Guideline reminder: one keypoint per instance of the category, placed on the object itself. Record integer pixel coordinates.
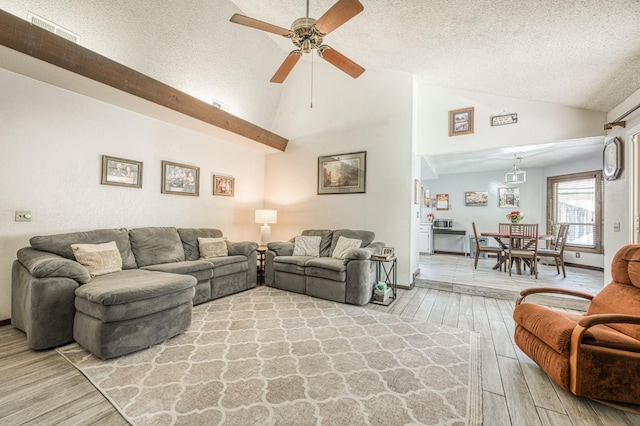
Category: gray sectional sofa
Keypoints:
(55, 300)
(348, 280)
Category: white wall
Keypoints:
(617, 204)
(373, 114)
(52, 140)
(538, 122)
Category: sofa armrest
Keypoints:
(376, 247)
(281, 248)
(241, 248)
(359, 254)
(42, 264)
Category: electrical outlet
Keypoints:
(23, 215)
(578, 255)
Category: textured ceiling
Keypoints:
(580, 53)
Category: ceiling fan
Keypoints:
(307, 34)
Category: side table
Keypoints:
(261, 252)
(387, 272)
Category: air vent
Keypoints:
(52, 27)
(220, 105)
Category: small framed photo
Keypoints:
(223, 185)
(476, 199)
(121, 172)
(461, 121)
(342, 173)
(180, 179)
(509, 197)
(387, 252)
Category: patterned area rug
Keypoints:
(267, 356)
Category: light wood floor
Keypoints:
(40, 387)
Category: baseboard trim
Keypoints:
(5, 322)
(578, 265)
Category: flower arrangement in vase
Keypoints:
(515, 216)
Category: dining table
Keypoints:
(503, 240)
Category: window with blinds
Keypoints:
(576, 200)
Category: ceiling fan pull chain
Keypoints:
(311, 104)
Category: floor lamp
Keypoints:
(266, 217)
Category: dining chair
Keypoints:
(523, 246)
(557, 253)
(485, 249)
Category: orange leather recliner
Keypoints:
(596, 355)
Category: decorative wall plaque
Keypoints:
(501, 120)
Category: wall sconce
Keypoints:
(266, 217)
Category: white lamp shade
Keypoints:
(266, 216)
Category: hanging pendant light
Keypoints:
(515, 175)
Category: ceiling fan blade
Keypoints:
(286, 66)
(338, 14)
(340, 61)
(259, 25)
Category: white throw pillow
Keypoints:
(307, 245)
(343, 245)
(99, 259)
(212, 247)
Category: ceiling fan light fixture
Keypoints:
(515, 175)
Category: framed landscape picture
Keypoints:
(509, 197)
(180, 179)
(121, 172)
(476, 199)
(461, 121)
(223, 185)
(342, 173)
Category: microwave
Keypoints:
(443, 223)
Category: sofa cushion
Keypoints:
(366, 237)
(344, 246)
(189, 238)
(228, 265)
(291, 264)
(133, 285)
(154, 245)
(99, 259)
(169, 290)
(327, 267)
(212, 247)
(307, 245)
(60, 244)
(325, 242)
(201, 269)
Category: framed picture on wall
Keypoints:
(508, 197)
(476, 199)
(461, 121)
(121, 172)
(180, 179)
(224, 185)
(342, 173)
(442, 201)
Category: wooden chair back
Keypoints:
(524, 237)
(561, 239)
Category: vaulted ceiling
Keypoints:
(583, 54)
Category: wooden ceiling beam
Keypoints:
(19, 35)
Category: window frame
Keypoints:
(598, 220)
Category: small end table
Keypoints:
(387, 272)
(261, 252)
